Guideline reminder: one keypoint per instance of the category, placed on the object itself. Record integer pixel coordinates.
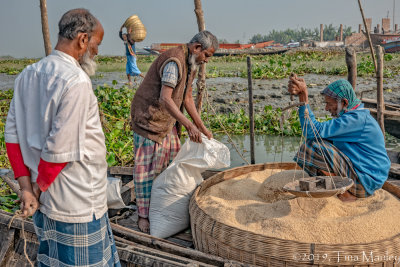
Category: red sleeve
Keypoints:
(16, 160)
(48, 172)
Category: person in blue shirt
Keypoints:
(350, 145)
(130, 52)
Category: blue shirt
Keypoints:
(357, 134)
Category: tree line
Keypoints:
(290, 35)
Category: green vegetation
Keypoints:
(289, 35)
(264, 67)
(114, 108)
(5, 98)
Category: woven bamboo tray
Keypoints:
(139, 32)
(211, 236)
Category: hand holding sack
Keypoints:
(173, 188)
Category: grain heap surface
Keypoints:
(254, 202)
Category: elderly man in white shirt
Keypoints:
(56, 148)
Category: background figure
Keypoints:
(130, 52)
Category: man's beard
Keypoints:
(88, 64)
(192, 62)
(339, 109)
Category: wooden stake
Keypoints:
(251, 110)
(201, 78)
(341, 33)
(45, 27)
(368, 35)
(321, 33)
(351, 62)
(379, 96)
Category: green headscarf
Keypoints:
(342, 89)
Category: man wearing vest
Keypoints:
(157, 106)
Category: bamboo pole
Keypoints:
(201, 78)
(251, 110)
(351, 62)
(380, 107)
(368, 35)
(45, 27)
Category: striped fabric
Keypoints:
(170, 74)
(336, 160)
(75, 244)
(151, 158)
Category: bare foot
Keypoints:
(347, 197)
(144, 225)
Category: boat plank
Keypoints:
(6, 244)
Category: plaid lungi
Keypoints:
(151, 158)
(75, 244)
(336, 162)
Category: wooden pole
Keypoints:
(379, 96)
(201, 78)
(368, 35)
(341, 33)
(251, 110)
(321, 32)
(351, 62)
(45, 27)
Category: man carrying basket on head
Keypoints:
(130, 52)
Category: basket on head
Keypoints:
(139, 32)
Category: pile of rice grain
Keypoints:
(253, 203)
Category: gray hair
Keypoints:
(206, 39)
(76, 21)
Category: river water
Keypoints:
(274, 148)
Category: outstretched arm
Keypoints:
(192, 111)
(167, 102)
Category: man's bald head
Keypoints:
(76, 21)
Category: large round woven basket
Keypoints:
(139, 32)
(211, 236)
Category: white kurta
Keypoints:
(54, 116)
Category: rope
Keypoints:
(317, 138)
(223, 128)
(316, 134)
(18, 214)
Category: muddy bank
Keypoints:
(230, 94)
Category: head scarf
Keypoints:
(342, 89)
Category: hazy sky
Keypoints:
(175, 21)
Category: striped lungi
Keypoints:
(311, 155)
(75, 244)
(151, 158)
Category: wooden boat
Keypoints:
(253, 52)
(222, 48)
(391, 115)
(134, 247)
(389, 41)
(391, 46)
